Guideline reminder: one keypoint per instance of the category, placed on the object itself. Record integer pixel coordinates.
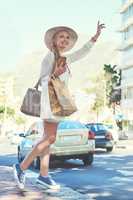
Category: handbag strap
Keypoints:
(38, 83)
(56, 56)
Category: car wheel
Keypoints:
(20, 158)
(109, 149)
(88, 159)
(36, 163)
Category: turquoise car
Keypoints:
(72, 141)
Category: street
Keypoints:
(109, 178)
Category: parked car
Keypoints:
(114, 130)
(72, 141)
(103, 136)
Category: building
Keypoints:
(126, 64)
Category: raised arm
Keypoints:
(83, 51)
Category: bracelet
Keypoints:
(93, 39)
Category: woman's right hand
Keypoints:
(60, 67)
(59, 70)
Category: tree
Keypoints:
(20, 120)
(10, 112)
(99, 90)
(113, 79)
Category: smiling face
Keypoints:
(61, 40)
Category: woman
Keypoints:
(58, 40)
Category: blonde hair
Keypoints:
(58, 58)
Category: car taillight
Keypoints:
(91, 135)
(108, 136)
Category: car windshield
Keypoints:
(96, 127)
(71, 125)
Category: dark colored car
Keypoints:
(103, 136)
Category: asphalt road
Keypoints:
(109, 178)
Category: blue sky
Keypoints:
(23, 23)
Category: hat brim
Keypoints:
(48, 38)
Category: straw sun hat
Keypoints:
(50, 33)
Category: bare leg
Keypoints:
(44, 164)
(50, 130)
(44, 159)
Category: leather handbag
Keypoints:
(31, 102)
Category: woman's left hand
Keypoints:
(98, 32)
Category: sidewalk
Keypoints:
(127, 143)
(124, 146)
(8, 189)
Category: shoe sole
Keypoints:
(21, 187)
(42, 184)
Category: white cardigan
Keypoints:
(46, 69)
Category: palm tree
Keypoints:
(112, 78)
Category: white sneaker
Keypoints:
(19, 176)
(48, 182)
